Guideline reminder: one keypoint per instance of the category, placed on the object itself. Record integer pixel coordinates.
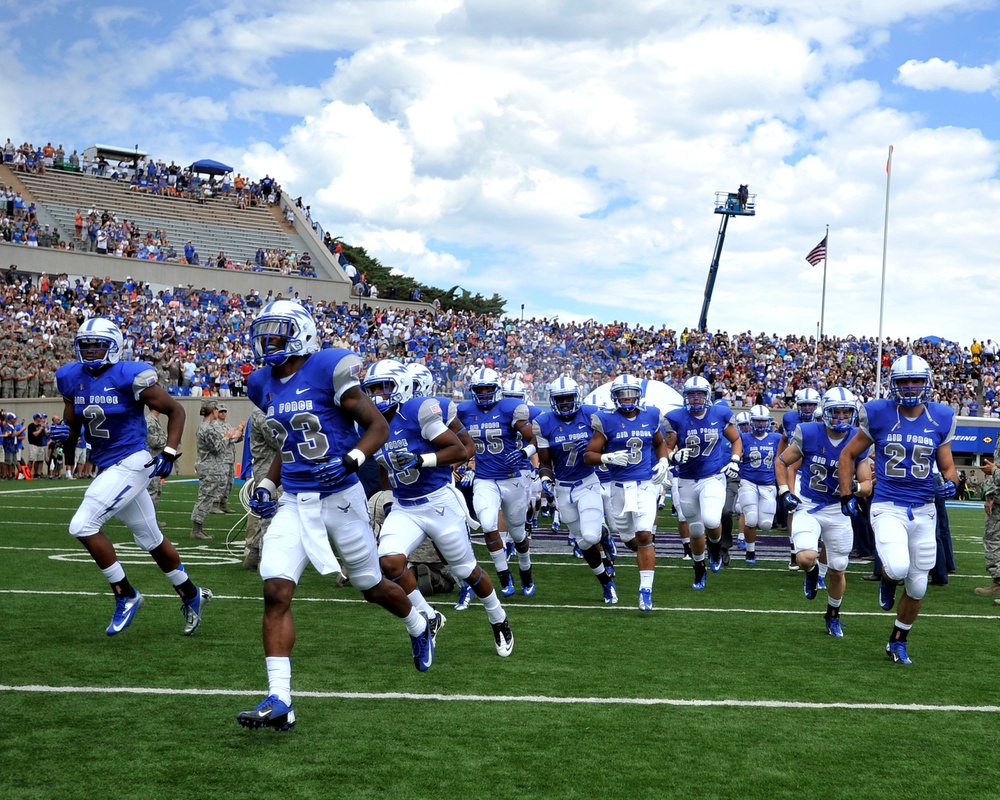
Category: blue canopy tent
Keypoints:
(936, 340)
(208, 167)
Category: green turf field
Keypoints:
(732, 692)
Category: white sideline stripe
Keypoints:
(546, 606)
(70, 486)
(508, 698)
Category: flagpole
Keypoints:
(822, 304)
(881, 300)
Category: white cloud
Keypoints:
(937, 74)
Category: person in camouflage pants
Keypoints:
(156, 440)
(263, 448)
(991, 532)
(233, 435)
(211, 466)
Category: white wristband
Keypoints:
(170, 451)
(665, 461)
(358, 456)
(735, 458)
(529, 450)
(267, 484)
(428, 460)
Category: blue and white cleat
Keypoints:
(834, 628)
(125, 610)
(506, 584)
(192, 610)
(503, 637)
(610, 593)
(714, 565)
(269, 713)
(809, 586)
(527, 582)
(887, 597)
(423, 647)
(577, 552)
(821, 584)
(741, 544)
(609, 546)
(464, 597)
(751, 558)
(699, 584)
(508, 549)
(645, 599)
(897, 652)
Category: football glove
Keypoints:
(681, 455)
(731, 470)
(790, 501)
(661, 470)
(467, 478)
(849, 506)
(331, 472)
(163, 463)
(945, 491)
(616, 459)
(515, 458)
(261, 504)
(402, 460)
(548, 488)
(59, 432)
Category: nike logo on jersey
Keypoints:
(301, 391)
(713, 424)
(928, 430)
(645, 425)
(108, 389)
(397, 433)
(345, 509)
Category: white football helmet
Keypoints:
(915, 369)
(485, 387)
(695, 391)
(807, 402)
(423, 380)
(388, 383)
(840, 409)
(626, 393)
(281, 330)
(564, 395)
(515, 389)
(760, 419)
(743, 422)
(98, 343)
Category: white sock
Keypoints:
(279, 677)
(822, 569)
(645, 579)
(420, 603)
(494, 611)
(524, 560)
(114, 573)
(415, 622)
(499, 559)
(751, 547)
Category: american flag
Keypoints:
(818, 253)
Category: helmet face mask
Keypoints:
(760, 420)
(910, 381)
(626, 394)
(283, 329)
(485, 388)
(743, 423)
(98, 343)
(423, 380)
(564, 397)
(807, 403)
(840, 410)
(515, 390)
(388, 384)
(695, 392)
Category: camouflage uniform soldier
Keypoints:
(211, 466)
(7, 373)
(263, 448)
(22, 376)
(232, 436)
(156, 440)
(48, 379)
(991, 533)
(34, 384)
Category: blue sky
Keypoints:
(566, 154)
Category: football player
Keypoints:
(817, 446)
(909, 432)
(501, 431)
(108, 397)
(416, 462)
(703, 466)
(313, 401)
(757, 493)
(627, 440)
(806, 403)
(516, 390)
(562, 436)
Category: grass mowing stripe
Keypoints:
(540, 606)
(542, 699)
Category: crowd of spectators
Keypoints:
(196, 339)
(106, 232)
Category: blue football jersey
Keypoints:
(818, 480)
(108, 406)
(758, 457)
(704, 437)
(416, 423)
(790, 420)
(905, 450)
(634, 436)
(566, 440)
(303, 414)
(492, 431)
